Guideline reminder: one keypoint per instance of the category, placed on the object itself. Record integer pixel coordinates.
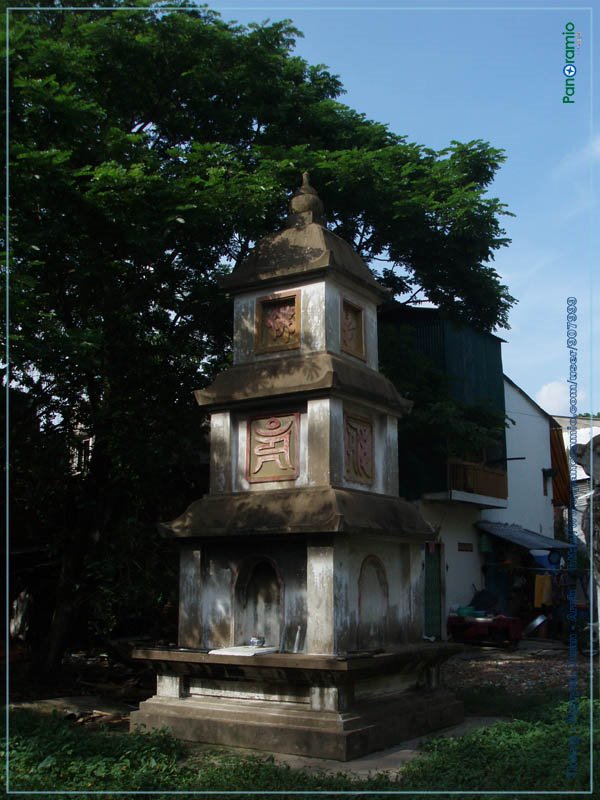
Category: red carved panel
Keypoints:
(272, 448)
(278, 322)
(358, 449)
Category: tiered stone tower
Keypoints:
(303, 540)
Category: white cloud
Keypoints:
(521, 263)
(580, 158)
(573, 173)
(553, 397)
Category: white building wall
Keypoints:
(527, 505)
(529, 437)
(585, 432)
(461, 569)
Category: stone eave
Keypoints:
(302, 510)
(301, 376)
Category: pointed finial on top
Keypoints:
(306, 205)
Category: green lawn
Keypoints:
(530, 752)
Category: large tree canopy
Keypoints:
(148, 151)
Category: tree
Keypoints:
(148, 151)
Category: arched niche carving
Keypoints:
(258, 602)
(373, 604)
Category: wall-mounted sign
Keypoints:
(466, 547)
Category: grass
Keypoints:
(499, 702)
(518, 755)
(528, 753)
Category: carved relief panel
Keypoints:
(277, 322)
(358, 450)
(352, 329)
(272, 448)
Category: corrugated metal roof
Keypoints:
(518, 535)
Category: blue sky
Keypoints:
(478, 71)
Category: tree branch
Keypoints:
(362, 236)
(412, 297)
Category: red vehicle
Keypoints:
(498, 629)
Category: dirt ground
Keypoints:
(536, 665)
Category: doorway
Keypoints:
(433, 589)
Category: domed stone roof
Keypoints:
(305, 248)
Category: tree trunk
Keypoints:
(85, 518)
(63, 618)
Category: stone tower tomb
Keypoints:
(300, 615)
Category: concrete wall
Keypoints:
(529, 437)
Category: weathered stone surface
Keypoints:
(300, 376)
(318, 510)
(304, 251)
(232, 589)
(295, 728)
(304, 669)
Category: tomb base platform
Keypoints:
(322, 706)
